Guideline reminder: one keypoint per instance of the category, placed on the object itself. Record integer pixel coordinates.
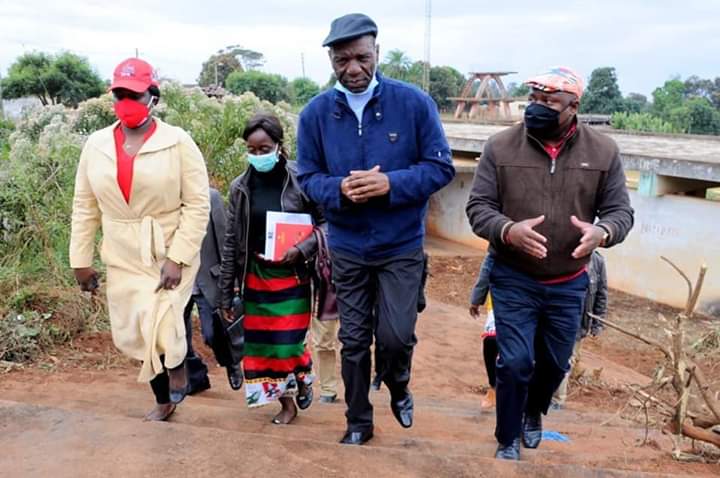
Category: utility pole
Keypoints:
(426, 62)
(2, 109)
(302, 62)
(137, 54)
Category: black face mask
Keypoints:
(541, 120)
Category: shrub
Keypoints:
(644, 122)
(37, 178)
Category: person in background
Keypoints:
(596, 302)
(146, 184)
(206, 296)
(276, 295)
(325, 323)
(479, 296)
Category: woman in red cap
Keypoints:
(145, 183)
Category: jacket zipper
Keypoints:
(282, 193)
(359, 128)
(282, 207)
(553, 161)
(247, 241)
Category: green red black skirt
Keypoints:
(277, 317)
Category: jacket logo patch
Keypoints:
(393, 137)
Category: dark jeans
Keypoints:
(536, 328)
(392, 285)
(490, 353)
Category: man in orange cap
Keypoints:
(546, 194)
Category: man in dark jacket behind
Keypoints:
(596, 302)
(206, 296)
(538, 190)
(371, 151)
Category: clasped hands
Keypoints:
(361, 186)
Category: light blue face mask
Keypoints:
(264, 163)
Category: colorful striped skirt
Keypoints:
(277, 317)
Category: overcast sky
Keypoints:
(647, 41)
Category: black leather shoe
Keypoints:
(235, 376)
(194, 388)
(304, 397)
(328, 398)
(376, 383)
(532, 430)
(356, 438)
(509, 452)
(403, 409)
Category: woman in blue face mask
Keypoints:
(275, 295)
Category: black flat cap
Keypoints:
(349, 27)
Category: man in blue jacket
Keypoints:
(371, 151)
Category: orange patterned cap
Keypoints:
(559, 78)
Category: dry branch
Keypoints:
(637, 336)
(699, 434)
(701, 381)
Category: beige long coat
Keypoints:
(166, 218)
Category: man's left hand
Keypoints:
(592, 237)
(364, 185)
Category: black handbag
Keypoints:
(234, 332)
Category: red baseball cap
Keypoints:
(135, 75)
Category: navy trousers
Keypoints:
(536, 328)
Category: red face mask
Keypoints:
(131, 113)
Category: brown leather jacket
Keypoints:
(234, 252)
(517, 180)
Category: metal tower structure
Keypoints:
(426, 60)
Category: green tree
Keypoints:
(66, 79)
(696, 116)
(228, 60)
(636, 103)
(518, 90)
(396, 65)
(445, 82)
(223, 62)
(703, 88)
(266, 86)
(602, 95)
(667, 98)
(302, 90)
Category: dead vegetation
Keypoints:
(686, 402)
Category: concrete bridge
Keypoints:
(670, 177)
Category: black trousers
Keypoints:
(490, 353)
(392, 285)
